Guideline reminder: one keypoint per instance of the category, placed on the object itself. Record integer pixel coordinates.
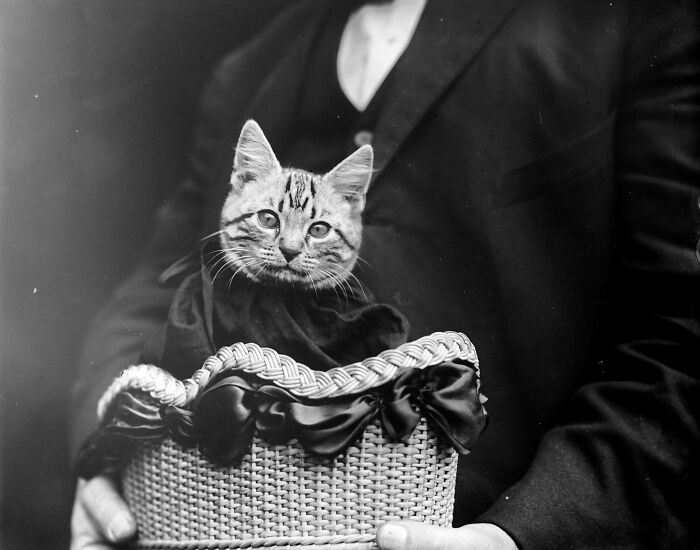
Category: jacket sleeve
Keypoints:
(620, 468)
(139, 306)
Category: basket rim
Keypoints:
(294, 377)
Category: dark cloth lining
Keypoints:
(322, 329)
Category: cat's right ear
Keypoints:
(254, 157)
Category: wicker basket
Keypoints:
(280, 496)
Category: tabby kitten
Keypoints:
(288, 226)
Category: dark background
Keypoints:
(97, 99)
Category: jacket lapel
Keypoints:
(449, 35)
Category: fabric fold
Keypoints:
(134, 418)
(450, 398)
(224, 420)
(328, 430)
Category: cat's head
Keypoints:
(287, 226)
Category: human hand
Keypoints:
(412, 535)
(101, 519)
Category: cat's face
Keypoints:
(290, 227)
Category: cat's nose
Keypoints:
(289, 253)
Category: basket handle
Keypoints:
(294, 377)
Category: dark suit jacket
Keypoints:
(537, 188)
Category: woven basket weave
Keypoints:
(279, 496)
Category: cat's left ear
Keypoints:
(351, 177)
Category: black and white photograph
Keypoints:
(349, 274)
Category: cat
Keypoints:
(285, 231)
(279, 271)
(288, 226)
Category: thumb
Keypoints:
(413, 535)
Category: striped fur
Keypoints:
(293, 252)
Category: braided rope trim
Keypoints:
(294, 377)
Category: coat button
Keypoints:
(363, 137)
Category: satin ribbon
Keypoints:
(232, 410)
(227, 414)
(447, 394)
(134, 418)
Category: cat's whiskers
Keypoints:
(246, 263)
(333, 287)
(219, 254)
(214, 234)
(227, 262)
(230, 248)
(251, 262)
(361, 259)
(224, 265)
(224, 255)
(351, 274)
(343, 279)
(263, 267)
(213, 265)
(311, 280)
(338, 283)
(328, 273)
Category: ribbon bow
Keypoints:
(227, 414)
(231, 410)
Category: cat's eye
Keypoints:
(319, 229)
(268, 219)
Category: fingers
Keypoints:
(412, 535)
(108, 510)
(100, 516)
(84, 535)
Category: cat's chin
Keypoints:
(287, 277)
(281, 277)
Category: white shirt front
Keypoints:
(374, 38)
